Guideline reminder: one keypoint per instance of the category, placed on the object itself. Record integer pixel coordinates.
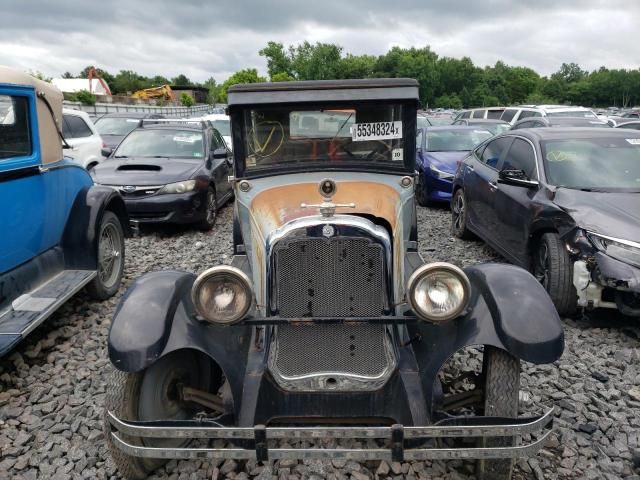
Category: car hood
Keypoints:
(445, 161)
(111, 141)
(144, 171)
(613, 214)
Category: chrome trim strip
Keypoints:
(332, 453)
(149, 430)
(629, 243)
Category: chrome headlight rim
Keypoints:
(420, 273)
(221, 270)
(604, 244)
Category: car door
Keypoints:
(221, 167)
(513, 204)
(481, 183)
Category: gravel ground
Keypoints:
(52, 386)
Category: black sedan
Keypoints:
(170, 172)
(564, 203)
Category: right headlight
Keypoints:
(438, 292)
(178, 187)
(222, 294)
(624, 250)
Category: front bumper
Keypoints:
(395, 437)
(169, 208)
(438, 189)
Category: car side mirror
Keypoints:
(219, 153)
(106, 151)
(517, 178)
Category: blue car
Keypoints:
(59, 232)
(438, 151)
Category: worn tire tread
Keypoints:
(561, 289)
(502, 390)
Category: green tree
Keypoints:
(186, 100)
(315, 62)
(86, 97)
(67, 75)
(39, 75)
(248, 75)
(356, 66)
(281, 77)
(278, 61)
(181, 80)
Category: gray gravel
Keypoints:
(52, 386)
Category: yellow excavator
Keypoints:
(164, 92)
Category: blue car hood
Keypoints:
(445, 161)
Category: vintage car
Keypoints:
(327, 324)
(59, 232)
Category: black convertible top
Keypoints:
(323, 91)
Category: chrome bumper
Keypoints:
(396, 435)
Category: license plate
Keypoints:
(376, 131)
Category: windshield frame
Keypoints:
(406, 167)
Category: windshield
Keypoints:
(341, 136)
(116, 125)
(162, 143)
(572, 113)
(607, 164)
(223, 126)
(441, 120)
(455, 140)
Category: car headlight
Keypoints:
(222, 294)
(179, 187)
(623, 250)
(440, 174)
(438, 291)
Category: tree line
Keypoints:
(444, 81)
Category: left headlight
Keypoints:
(179, 187)
(623, 250)
(438, 292)
(222, 294)
(440, 173)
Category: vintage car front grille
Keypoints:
(320, 277)
(330, 277)
(332, 356)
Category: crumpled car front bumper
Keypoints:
(397, 439)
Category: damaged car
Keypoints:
(326, 324)
(563, 203)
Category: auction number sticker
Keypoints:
(376, 131)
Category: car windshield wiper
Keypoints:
(121, 156)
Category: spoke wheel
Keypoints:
(110, 258)
(459, 215)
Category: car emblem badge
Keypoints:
(328, 231)
(128, 189)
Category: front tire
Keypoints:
(459, 213)
(501, 372)
(110, 258)
(211, 211)
(553, 268)
(152, 395)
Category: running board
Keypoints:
(31, 309)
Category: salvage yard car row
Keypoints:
(327, 322)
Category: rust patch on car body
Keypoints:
(276, 206)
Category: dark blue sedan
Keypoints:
(438, 151)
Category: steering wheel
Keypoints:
(386, 148)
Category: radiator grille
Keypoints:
(318, 277)
(342, 349)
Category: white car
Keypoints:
(80, 132)
(221, 123)
(514, 114)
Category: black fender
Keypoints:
(508, 309)
(156, 317)
(80, 237)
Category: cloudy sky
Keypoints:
(203, 38)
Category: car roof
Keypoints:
(440, 128)
(551, 133)
(324, 91)
(127, 115)
(173, 126)
(483, 120)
